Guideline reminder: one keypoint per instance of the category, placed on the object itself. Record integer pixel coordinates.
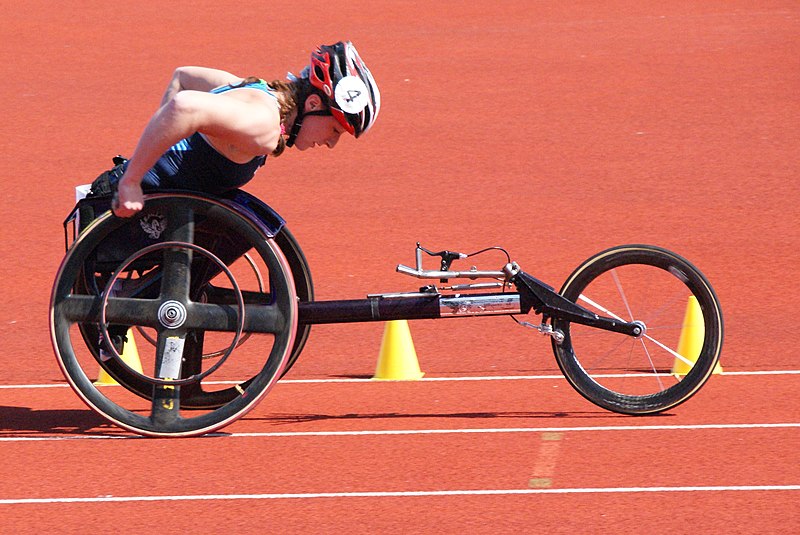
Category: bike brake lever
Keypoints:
(446, 256)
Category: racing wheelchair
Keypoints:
(195, 275)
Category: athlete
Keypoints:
(214, 129)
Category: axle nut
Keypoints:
(171, 314)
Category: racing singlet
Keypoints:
(193, 164)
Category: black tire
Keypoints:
(638, 375)
(74, 306)
(303, 284)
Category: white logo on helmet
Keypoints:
(351, 94)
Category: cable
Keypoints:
(495, 248)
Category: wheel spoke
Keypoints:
(176, 279)
(180, 223)
(621, 291)
(652, 364)
(214, 317)
(669, 350)
(169, 353)
(166, 405)
(120, 310)
(599, 307)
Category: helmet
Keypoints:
(349, 88)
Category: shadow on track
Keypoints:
(24, 421)
(534, 415)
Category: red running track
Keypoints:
(415, 457)
(553, 130)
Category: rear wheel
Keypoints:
(163, 291)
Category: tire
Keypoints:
(632, 375)
(303, 284)
(74, 311)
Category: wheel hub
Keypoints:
(640, 330)
(171, 314)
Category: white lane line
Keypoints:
(398, 494)
(515, 430)
(389, 432)
(436, 379)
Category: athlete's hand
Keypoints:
(129, 198)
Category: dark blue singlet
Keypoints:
(194, 164)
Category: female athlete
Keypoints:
(214, 129)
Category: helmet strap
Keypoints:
(298, 123)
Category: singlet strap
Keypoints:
(260, 84)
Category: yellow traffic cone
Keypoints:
(130, 356)
(690, 343)
(398, 358)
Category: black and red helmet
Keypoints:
(351, 93)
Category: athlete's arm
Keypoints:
(241, 125)
(197, 79)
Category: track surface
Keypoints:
(555, 131)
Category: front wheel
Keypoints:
(676, 354)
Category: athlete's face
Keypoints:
(318, 130)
